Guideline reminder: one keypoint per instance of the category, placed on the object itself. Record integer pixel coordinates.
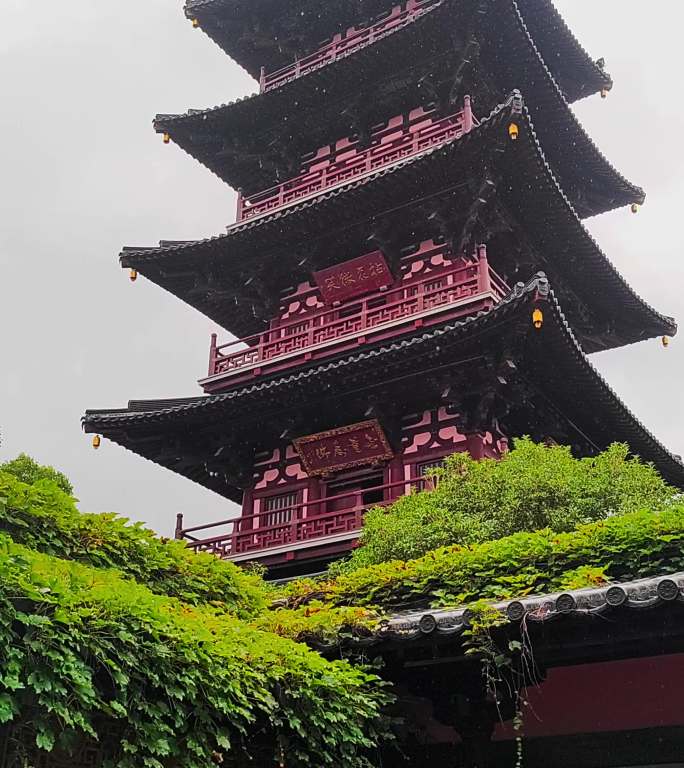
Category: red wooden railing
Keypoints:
(326, 328)
(256, 534)
(346, 42)
(389, 144)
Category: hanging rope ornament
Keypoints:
(538, 318)
(513, 131)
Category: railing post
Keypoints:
(467, 115)
(212, 355)
(262, 80)
(240, 204)
(484, 278)
(178, 535)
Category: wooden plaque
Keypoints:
(354, 278)
(354, 446)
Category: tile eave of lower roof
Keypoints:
(147, 411)
(144, 410)
(588, 603)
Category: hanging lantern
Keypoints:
(97, 442)
(635, 208)
(513, 131)
(195, 23)
(537, 318)
(666, 341)
(133, 275)
(604, 93)
(167, 138)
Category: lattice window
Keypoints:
(424, 467)
(278, 510)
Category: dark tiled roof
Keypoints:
(553, 360)
(582, 603)
(309, 21)
(530, 190)
(250, 125)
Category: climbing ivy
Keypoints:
(620, 548)
(86, 653)
(46, 519)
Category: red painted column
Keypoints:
(314, 494)
(475, 445)
(247, 509)
(396, 475)
(485, 283)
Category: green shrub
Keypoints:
(621, 548)
(87, 654)
(531, 488)
(46, 519)
(27, 470)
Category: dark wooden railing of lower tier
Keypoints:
(325, 329)
(345, 43)
(299, 524)
(388, 146)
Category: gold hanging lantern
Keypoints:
(195, 23)
(635, 208)
(133, 275)
(513, 131)
(97, 442)
(604, 93)
(538, 318)
(666, 341)
(167, 138)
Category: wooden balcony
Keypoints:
(454, 292)
(337, 164)
(347, 42)
(334, 519)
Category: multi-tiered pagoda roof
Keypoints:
(409, 265)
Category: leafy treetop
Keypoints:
(28, 470)
(531, 488)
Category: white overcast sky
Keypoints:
(82, 173)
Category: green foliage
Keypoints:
(85, 653)
(621, 548)
(531, 488)
(316, 621)
(27, 470)
(44, 518)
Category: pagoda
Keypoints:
(408, 275)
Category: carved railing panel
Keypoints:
(389, 144)
(434, 292)
(345, 43)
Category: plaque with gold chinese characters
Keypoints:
(357, 445)
(353, 278)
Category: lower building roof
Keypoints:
(212, 440)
